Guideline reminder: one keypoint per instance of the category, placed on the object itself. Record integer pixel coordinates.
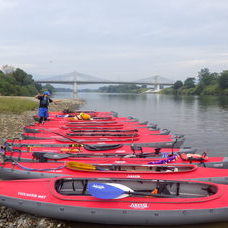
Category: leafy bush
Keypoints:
(167, 91)
(211, 90)
(225, 92)
(208, 84)
(190, 91)
(223, 80)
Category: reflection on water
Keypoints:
(203, 121)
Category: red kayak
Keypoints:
(106, 149)
(91, 113)
(46, 133)
(140, 171)
(118, 200)
(36, 128)
(94, 122)
(121, 155)
(146, 141)
(57, 119)
(158, 155)
(118, 125)
(101, 117)
(56, 135)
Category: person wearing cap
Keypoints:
(43, 106)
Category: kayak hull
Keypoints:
(117, 216)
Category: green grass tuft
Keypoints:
(16, 105)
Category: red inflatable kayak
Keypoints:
(118, 200)
(144, 141)
(141, 171)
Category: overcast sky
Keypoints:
(115, 39)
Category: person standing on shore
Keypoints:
(43, 106)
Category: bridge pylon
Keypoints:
(157, 86)
(75, 87)
(75, 90)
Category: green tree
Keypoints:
(18, 83)
(206, 78)
(22, 77)
(189, 83)
(120, 89)
(223, 80)
(178, 85)
(38, 86)
(49, 87)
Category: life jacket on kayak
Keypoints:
(85, 116)
(194, 157)
(82, 116)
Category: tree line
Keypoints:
(18, 83)
(129, 88)
(206, 83)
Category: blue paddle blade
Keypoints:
(104, 191)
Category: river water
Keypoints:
(203, 120)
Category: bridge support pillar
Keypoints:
(157, 87)
(75, 90)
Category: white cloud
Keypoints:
(6, 5)
(129, 39)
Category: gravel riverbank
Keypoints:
(11, 126)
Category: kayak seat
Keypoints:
(164, 169)
(39, 156)
(71, 187)
(157, 150)
(162, 189)
(116, 168)
(210, 190)
(136, 147)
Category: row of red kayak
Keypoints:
(111, 170)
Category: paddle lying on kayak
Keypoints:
(109, 190)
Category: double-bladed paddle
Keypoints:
(112, 191)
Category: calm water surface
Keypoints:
(203, 121)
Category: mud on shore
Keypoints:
(11, 126)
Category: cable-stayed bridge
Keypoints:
(75, 78)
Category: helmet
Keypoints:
(46, 93)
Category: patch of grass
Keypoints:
(16, 105)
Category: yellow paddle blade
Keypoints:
(80, 166)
